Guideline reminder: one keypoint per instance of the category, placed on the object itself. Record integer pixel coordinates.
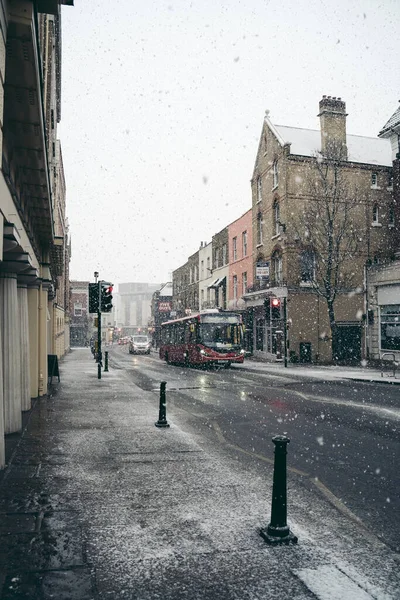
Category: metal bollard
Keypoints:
(278, 531)
(99, 370)
(162, 415)
(106, 361)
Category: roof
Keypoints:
(166, 289)
(366, 150)
(393, 123)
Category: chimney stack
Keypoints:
(332, 114)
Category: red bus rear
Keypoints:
(206, 338)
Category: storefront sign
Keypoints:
(262, 271)
(164, 306)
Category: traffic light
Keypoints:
(275, 304)
(93, 297)
(106, 297)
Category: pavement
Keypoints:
(363, 372)
(97, 503)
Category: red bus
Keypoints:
(206, 338)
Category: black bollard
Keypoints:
(106, 361)
(162, 415)
(278, 531)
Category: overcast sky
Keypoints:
(163, 105)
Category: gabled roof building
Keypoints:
(286, 261)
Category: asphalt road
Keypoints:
(344, 435)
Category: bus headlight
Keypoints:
(242, 351)
(202, 351)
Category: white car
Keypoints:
(139, 344)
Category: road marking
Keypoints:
(392, 412)
(327, 582)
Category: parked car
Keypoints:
(139, 344)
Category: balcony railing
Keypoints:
(260, 285)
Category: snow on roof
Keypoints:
(166, 289)
(367, 150)
(393, 123)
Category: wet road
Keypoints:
(344, 435)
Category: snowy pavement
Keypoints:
(325, 373)
(98, 504)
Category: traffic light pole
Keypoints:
(99, 354)
(285, 331)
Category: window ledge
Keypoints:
(390, 188)
(258, 245)
(275, 187)
(373, 224)
(391, 225)
(275, 236)
(305, 283)
(375, 187)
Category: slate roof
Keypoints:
(393, 123)
(361, 149)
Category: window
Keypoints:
(259, 189)
(277, 267)
(275, 177)
(235, 287)
(216, 258)
(374, 179)
(390, 327)
(244, 243)
(190, 275)
(276, 211)
(234, 245)
(202, 269)
(224, 254)
(78, 309)
(390, 181)
(244, 282)
(202, 298)
(208, 266)
(375, 213)
(307, 266)
(259, 229)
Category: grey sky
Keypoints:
(163, 104)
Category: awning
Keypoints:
(217, 282)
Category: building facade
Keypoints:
(81, 322)
(134, 306)
(383, 280)
(288, 255)
(34, 250)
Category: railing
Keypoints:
(260, 285)
(395, 364)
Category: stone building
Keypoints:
(134, 306)
(287, 262)
(220, 268)
(206, 293)
(33, 232)
(383, 278)
(81, 322)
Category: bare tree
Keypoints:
(330, 229)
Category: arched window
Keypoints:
(307, 265)
(375, 213)
(277, 267)
(259, 229)
(275, 175)
(276, 216)
(259, 189)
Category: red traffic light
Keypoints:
(275, 302)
